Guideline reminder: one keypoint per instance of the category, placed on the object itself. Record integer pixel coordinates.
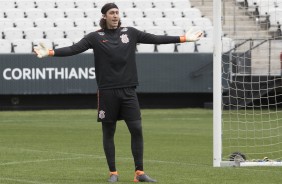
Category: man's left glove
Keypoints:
(41, 51)
(193, 35)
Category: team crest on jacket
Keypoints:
(101, 114)
(124, 38)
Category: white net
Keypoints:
(252, 84)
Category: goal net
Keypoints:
(251, 87)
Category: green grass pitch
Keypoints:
(64, 147)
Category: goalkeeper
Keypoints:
(116, 74)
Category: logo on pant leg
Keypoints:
(101, 114)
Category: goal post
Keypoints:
(217, 141)
(247, 95)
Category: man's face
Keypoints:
(112, 18)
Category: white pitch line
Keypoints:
(36, 161)
(23, 181)
(99, 157)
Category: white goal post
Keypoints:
(247, 96)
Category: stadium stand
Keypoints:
(163, 22)
(153, 13)
(64, 23)
(166, 48)
(84, 23)
(13, 33)
(84, 4)
(181, 4)
(22, 46)
(23, 23)
(145, 48)
(4, 4)
(172, 13)
(127, 22)
(74, 33)
(205, 45)
(25, 4)
(174, 30)
(142, 4)
(133, 12)
(162, 4)
(52, 33)
(54, 13)
(33, 33)
(62, 42)
(48, 43)
(65, 4)
(34, 13)
(186, 47)
(43, 22)
(14, 13)
(5, 23)
(74, 13)
(124, 3)
(72, 19)
(143, 22)
(45, 4)
(5, 46)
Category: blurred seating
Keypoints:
(43, 23)
(84, 23)
(5, 46)
(153, 13)
(72, 19)
(145, 48)
(64, 23)
(22, 46)
(52, 33)
(162, 4)
(13, 33)
(187, 47)
(32, 33)
(205, 45)
(13, 13)
(163, 22)
(174, 31)
(65, 4)
(34, 13)
(142, 4)
(7, 4)
(48, 43)
(6, 23)
(54, 13)
(45, 4)
(62, 42)
(74, 13)
(84, 4)
(181, 4)
(166, 48)
(25, 4)
(74, 33)
(23, 23)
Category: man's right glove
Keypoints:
(41, 51)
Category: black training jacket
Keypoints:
(114, 52)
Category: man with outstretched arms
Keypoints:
(116, 74)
